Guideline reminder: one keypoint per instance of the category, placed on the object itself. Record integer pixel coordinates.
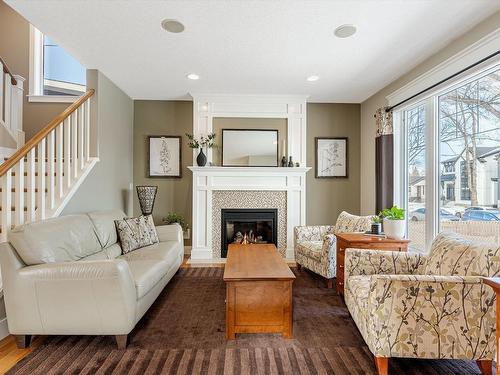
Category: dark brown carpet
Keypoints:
(183, 333)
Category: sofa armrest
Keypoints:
(172, 232)
(377, 262)
(311, 232)
(83, 297)
(431, 317)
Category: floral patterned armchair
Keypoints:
(316, 246)
(434, 306)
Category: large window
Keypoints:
(54, 74)
(451, 145)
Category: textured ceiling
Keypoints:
(260, 47)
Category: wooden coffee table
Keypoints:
(258, 291)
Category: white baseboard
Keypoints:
(4, 329)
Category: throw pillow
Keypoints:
(133, 233)
(152, 229)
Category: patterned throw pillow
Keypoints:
(152, 229)
(133, 233)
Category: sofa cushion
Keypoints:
(453, 255)
(352, 223)
(113, 251)
(147, 273)
(310, 249)
(133, 233)
(104, 224)
(62, 239)
(166, 251)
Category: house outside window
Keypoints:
(55, 76)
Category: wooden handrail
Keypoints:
(23, 151)
(6, 69)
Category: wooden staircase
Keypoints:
(40, 178)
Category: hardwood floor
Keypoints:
(10, 354)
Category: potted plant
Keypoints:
(376, 224)
(394, 221)
(174, 217)
(200, 143)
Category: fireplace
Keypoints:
(255, 225)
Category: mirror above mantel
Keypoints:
(247, 142)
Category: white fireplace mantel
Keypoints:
(206, 180)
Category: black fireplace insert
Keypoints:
(255, 225)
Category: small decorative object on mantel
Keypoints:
(146, 195)
(297, 164)
(164, 156)
(331, 157)
(201, 143)
(290, 162)
(283, 161)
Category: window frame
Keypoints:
(35, 94)
(430, 101)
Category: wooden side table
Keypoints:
(363, 241)
(494, 282)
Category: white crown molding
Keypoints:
(483, 47)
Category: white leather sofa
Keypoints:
(67, 276)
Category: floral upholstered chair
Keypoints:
(435, 306)
(316, 246)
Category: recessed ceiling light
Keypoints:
(193, 76)
(312, 78)
(172, 26)
(345, 31)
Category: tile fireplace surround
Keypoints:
(215, 188)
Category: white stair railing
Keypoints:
(11, 103)
(40, 176)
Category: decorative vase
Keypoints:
(376, 228)
(201, 159)
(283, 161)
(394, 228)
(146, 195)
(290, 162)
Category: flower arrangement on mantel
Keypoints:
(200, 143)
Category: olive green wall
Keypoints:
(326, 198)
(14, 49)
(153, 117)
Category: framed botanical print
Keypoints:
(331, 157)
(164, 156)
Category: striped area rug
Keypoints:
(183, 333)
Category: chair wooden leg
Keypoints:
(121, 341)
(23, 341)
(329, 283)
(382, 365)
(485, 365)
